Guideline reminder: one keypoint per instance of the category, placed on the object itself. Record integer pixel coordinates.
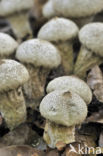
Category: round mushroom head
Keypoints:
(72, 84)
(38, 53)
(58, 29)
(12, 75)
(7, 45)
(91, 36)
(48, 10)
(77, 8)
(64, 108)
(8, 7)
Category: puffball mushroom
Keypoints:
(61, 32)
(40, 57)
(16, 12)
(91, 52)
(63, 110)
(48, 10)
(12, 104)
(82, 12)
(72, 84)
(7, 45)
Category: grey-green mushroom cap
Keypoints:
(73, 84)
(8, 7)
(64, 108)
(91, 36)
(58, 29)
(39, 53)
(77, 8)
(12, 75)
(7, 45)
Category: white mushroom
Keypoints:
(7, 45)
(39, 57)
(63, 110)
(72, 84)
(48, 10)
(91, 52)
(16, 12)
(12, 104)
(80, 11)
(61, 32)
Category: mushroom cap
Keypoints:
(73, 84)
(8, 7)
(7, 45)
(39, 53)
(48, 10)
(12, 75)
(91, 36)
(58, 29)
(64, 108)
(77, 8)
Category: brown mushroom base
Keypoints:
(86, 60)
(66, 51)
(83, 21)
(20, 25)
(55, 134)
(12, 107)
(34, 89)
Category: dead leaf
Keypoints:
(20, 151)
(87, 136)
(60, 146)
(96, 117)
(52, 153)
(20, 136)
(95, 82)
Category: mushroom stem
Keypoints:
(54, 134)
(12, 56)
(12, 107)
(34, 89)
(66, 51)
(83, 21)
(86, 60)
(20, 25)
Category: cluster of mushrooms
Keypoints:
(26, 65)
